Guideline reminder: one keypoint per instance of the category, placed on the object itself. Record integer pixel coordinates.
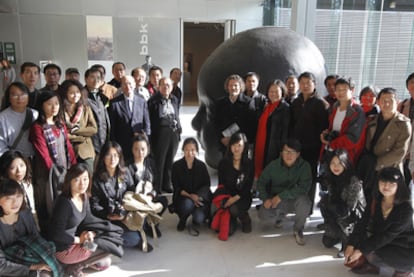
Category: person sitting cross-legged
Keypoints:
(283, 187)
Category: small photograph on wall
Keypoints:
(100, 39)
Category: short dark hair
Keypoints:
(73, 172)
(388, 90)
(116, 63)
(173, 69)
(29, 64)
(93, 69)
(190, 140)
(141, 137)
(367, 89)
(329, 77)
(345, 81)
(6, 98)
(294, 144)
(52, 66)
(99, 66)
(154, 68)
(308, 75)
(10, 187)
(250, 74)
(71, 70)
(7, 159)
(411, 76)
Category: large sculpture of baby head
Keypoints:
(272, 52)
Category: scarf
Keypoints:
(71, 122)
(30, 250)
(51, 142)
(261, 135)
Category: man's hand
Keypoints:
(275, 201)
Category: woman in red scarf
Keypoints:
(272, 128)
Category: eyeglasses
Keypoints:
(18, 96)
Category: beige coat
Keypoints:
(393, 143)
(81, 139)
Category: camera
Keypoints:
(116, 208)
(89, 245)
(331, 136)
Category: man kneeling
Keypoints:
(283, 187)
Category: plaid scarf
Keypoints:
(71, 122)
(51, 141)
(30, 250)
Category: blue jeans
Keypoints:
(185, 208)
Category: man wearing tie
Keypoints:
(129, 116)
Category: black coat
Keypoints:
(226, 113)
(236, 182)
(106, 194)
(154, 113)
(276, 132)
(392, 239)
(344, 204)
(196, 180)
(98, 107)
(308, 120)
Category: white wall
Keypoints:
(56, 29)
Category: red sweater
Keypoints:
(38, 140)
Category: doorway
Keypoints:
(199, 41)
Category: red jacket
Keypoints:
(352, 134)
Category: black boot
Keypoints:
(246, 223)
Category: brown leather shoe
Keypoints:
(366, 268)
(403, 274)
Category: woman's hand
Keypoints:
(86, 236)
(196, 199)
(39, 267)
(348, 252)
(356, 254)
(231, 201)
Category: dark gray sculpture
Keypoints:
(272, 52)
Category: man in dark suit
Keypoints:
(129, 116)
(166, 129)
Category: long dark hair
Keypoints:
(5, 103)
(394, 175)
(344, 178)
(63, 92)
(235, 138)
(10, 187)
(101, 173)
(7, 159)
(43, 97)
(74, 172)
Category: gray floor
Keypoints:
(266, 251)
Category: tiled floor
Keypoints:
(266, 251)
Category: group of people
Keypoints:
(357, 151)
(102, 155)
